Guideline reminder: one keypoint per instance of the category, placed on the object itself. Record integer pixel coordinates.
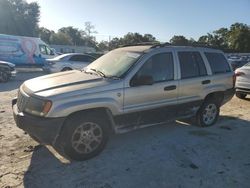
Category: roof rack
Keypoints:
(141, 44)
(159, 45)
(166, 44)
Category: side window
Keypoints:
(200, 62)
(191, 64)
(159, 66)
(91, 59)
(81, 58)
(43, 49)
(218, 62)
(74, 58)
(49, 51)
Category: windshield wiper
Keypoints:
(100, 73)
(114, 77)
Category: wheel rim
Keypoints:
(87, 137)
(210, 114)
(4, 77)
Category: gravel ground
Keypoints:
(173, 155)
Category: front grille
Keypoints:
(21, 101)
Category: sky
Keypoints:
(161, 18)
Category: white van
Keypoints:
(21, 50)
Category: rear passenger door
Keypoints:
(220, 69)
(193, 78)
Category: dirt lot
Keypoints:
(173, 155)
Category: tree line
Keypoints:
(17, 17)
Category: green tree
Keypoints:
(114, 43)
(17, 17)
(60, 38)
(74, 34)
(45, 34)
(239, 37)
(179, 40)
(149, 38)
(103, 46)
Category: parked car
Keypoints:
(237, 63)
(67, 62)
(125, 89)
(7, 71)
(243, 81)
(24, 51)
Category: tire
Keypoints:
(66, 69)
(83, 137)
(241, 95)
(208, 113)
(4, 76)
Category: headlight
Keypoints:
(38, 107)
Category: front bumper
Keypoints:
(13, 74)
(46, 69)
(44, 130)
(242, 90)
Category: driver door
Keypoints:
(157, 101)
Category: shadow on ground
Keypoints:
(172, 155)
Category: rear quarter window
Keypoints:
(218, 62)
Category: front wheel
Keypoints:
(241, 95)
(83, 137)
(208, 114)
(66, 69)
(4, 76)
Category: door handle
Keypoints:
(206, 82)
(168, 88)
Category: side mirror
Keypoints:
(142, 80)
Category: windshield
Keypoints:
(115, 63)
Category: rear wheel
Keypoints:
(208, 113)
(83, 137)
(66, 69)
(241, 95)
(4, 76)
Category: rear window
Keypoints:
(218, 62)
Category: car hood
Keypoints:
(7, 63)
(62, 83)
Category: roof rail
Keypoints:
(159, 45)
(141, 44)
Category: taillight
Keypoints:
(238, 73)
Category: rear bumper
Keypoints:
(243, 90)
(43, 130)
